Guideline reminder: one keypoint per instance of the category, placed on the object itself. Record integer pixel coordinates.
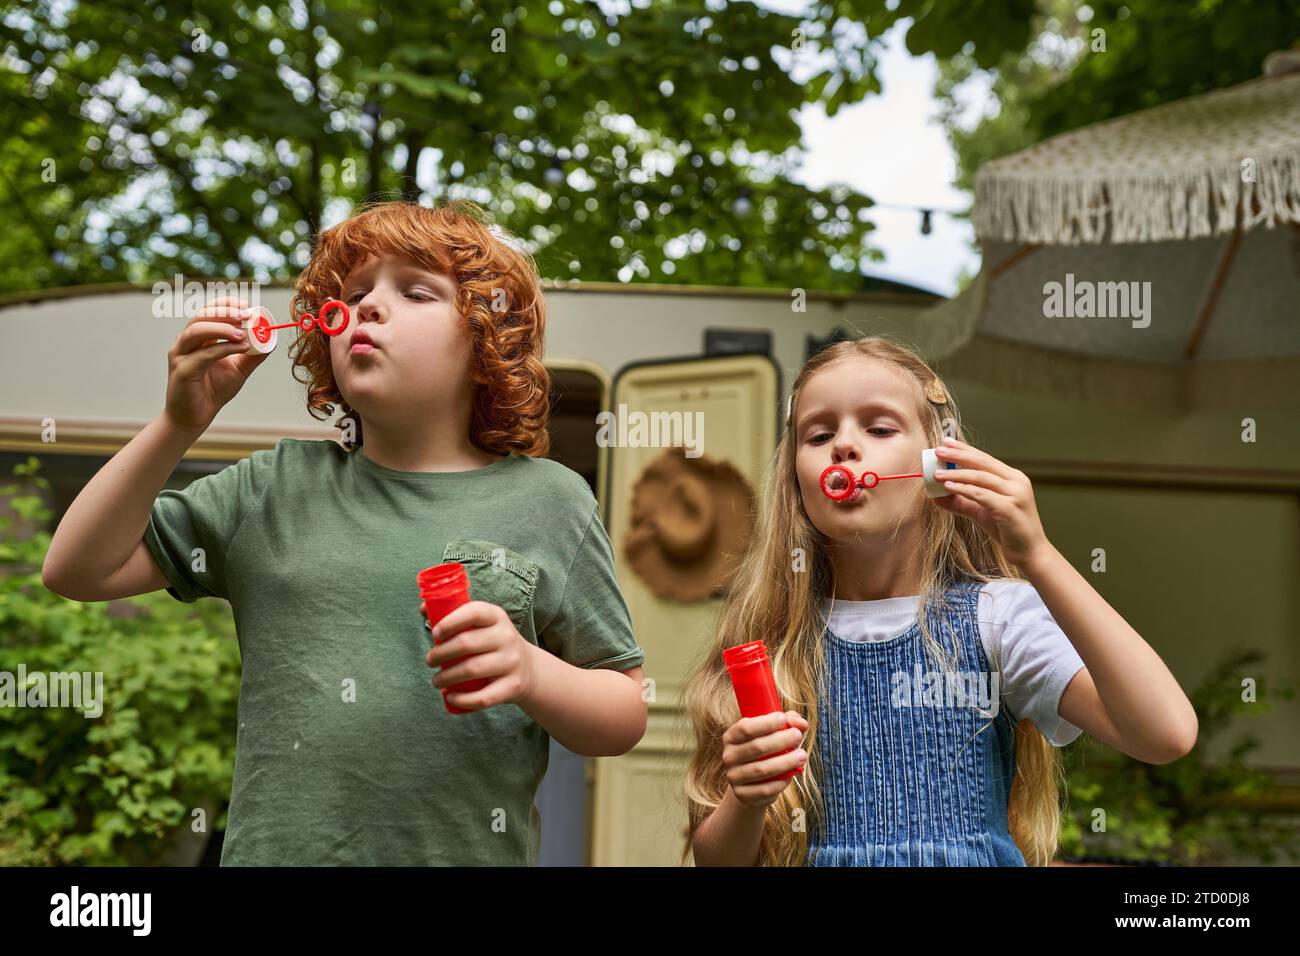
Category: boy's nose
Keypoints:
(368, 310)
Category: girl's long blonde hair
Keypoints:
(773, 599)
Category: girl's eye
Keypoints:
(878, 428)
(352, 298)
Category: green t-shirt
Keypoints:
(345, 753)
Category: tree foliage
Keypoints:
(120, 788)
(639, 141)
(1085, 64)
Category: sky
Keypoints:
(891, 147)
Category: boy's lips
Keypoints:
(361, 343)
(361, 337)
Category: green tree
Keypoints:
(1195, 811)
(120, 787)
(653, 140)
(1084, 64)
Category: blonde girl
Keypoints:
(933, 652)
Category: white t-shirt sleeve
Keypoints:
(1037, 660)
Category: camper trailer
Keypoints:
(1168, 505)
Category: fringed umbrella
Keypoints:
(1154, 256)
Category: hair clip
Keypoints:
(934, 392)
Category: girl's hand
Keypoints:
(747, 749)
(997, 496)
(502, 655)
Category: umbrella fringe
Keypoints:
(1156, 208)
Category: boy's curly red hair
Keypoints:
(512, 397)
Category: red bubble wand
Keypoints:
(838, 482)
(261, 329)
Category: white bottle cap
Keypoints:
(255, 345)
(929, 464)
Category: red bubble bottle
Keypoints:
(755, 687)
(443, 588)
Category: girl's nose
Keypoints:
(844, 450)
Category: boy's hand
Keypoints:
(204, 373)
(997, 496)
(502, 655)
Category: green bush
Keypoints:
(119, 788)
(1192, 811)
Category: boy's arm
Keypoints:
(97, 552)
(595, 712)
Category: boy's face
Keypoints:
(859, 412)
(420, 361)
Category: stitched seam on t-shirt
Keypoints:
(166, 562)
(1057, 667)
(240, 527)
(569, 573)
(1053, 679)
(1003, 694)
(528, 575)
(626, 656)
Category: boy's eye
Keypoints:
(417, 295)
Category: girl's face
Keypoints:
(859, 412)
(421, 356)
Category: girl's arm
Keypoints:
(730, 835)
(753, 760)
(1125, 695)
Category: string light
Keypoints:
(743, 206)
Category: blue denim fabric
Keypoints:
(911, 786)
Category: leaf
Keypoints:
(425, 87)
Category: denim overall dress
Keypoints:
(912, 785)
